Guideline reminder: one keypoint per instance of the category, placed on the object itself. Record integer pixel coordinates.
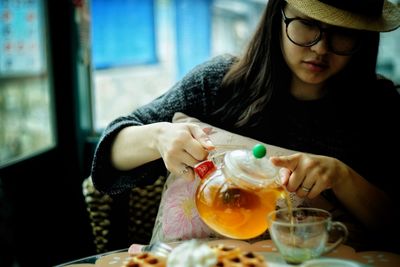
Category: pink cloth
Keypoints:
(181, 219)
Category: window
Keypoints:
(187, 32)
(389, 56)
(26, 117)
(123, 33)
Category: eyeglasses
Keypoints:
(306, 33)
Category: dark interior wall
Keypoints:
(43, 220)
(72, 220)
(47, 216)
(6, 235)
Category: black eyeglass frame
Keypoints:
(287, 21)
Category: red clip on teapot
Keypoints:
(236, 194)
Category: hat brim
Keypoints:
(388, 21)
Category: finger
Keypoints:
(198, 146)
(304, 189)
(184, 171)
(295, 174)
(290, 162)
(318, 186)
(189, 160)
(295, 180)
(187, 173)
(313, 184)
(284, 175)
(201, 136)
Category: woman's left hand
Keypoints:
(308, 174)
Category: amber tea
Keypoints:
(236, 212)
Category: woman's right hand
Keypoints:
(182, 146)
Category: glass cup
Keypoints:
(302, 234)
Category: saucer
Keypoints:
(331, 263)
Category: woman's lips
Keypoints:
(315, 66)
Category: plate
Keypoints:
(332, 263)
(274, 259)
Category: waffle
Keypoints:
(226, 257)
(145, 260)
(235, 257)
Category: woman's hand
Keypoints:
(363, 199)
(308, 174)
(182, 146)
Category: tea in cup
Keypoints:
(302, 234)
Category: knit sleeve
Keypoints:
(194, 95)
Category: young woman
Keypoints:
(306, 82)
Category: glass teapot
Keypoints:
(236, 192)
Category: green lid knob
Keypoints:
(259, 151)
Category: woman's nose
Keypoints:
(321, 48)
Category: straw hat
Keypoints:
(370, 15)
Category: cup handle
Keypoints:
(341, 239)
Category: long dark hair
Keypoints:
(262, 73)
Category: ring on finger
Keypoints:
(306, 189)
(185, 170)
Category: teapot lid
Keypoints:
(251, 168)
